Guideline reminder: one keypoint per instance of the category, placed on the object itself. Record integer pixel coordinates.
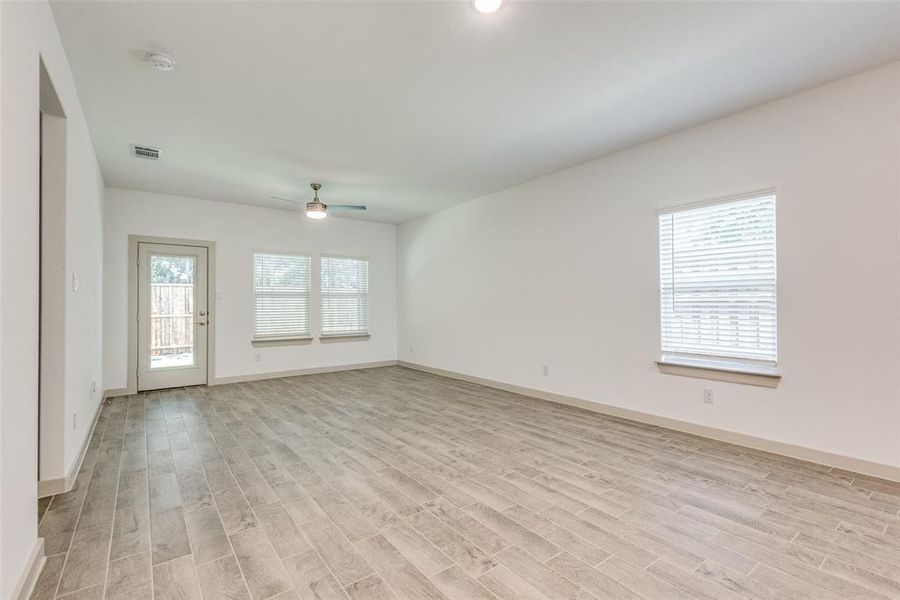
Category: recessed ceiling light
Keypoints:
(160, 61)
(487, 6)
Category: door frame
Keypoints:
(133, 241)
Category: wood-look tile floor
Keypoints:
(390, 483)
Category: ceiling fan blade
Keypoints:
(285, 200)
(346, 207)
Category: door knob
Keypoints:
(202, 323)
(202, 312)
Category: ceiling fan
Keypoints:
(319, 210)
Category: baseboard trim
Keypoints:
(32, 571)
(61, 485)
(113, 392)
(822, 457)
(296, 372)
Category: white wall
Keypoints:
(84, 308)
(28, 35)
(563, 271)
(54, 290)
(237, 231)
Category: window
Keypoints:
(280, 296)
(345, 296)
(717, 277)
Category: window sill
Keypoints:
(345, 337)
(732, 372)
(281, 341)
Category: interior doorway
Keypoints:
(172, 315)
(52, 295)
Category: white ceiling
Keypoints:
(411, 107)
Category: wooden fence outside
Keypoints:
(171, 318)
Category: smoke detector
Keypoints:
(161, 61)
(145, 152)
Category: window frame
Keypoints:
(276, 340)
(321, 295)
(716, 366)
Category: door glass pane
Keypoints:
(171, 311)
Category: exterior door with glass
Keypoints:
(172, 316)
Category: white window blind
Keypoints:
(280, 296)
(717, 273)
(345, 296)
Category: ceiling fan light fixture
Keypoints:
(315, 210)
(487, 6)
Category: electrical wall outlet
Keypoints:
(708, 396)
(546, 369)
(74, 420)
(75, 282)
(256, 356)
(410, 349)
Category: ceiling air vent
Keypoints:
(145, 152)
